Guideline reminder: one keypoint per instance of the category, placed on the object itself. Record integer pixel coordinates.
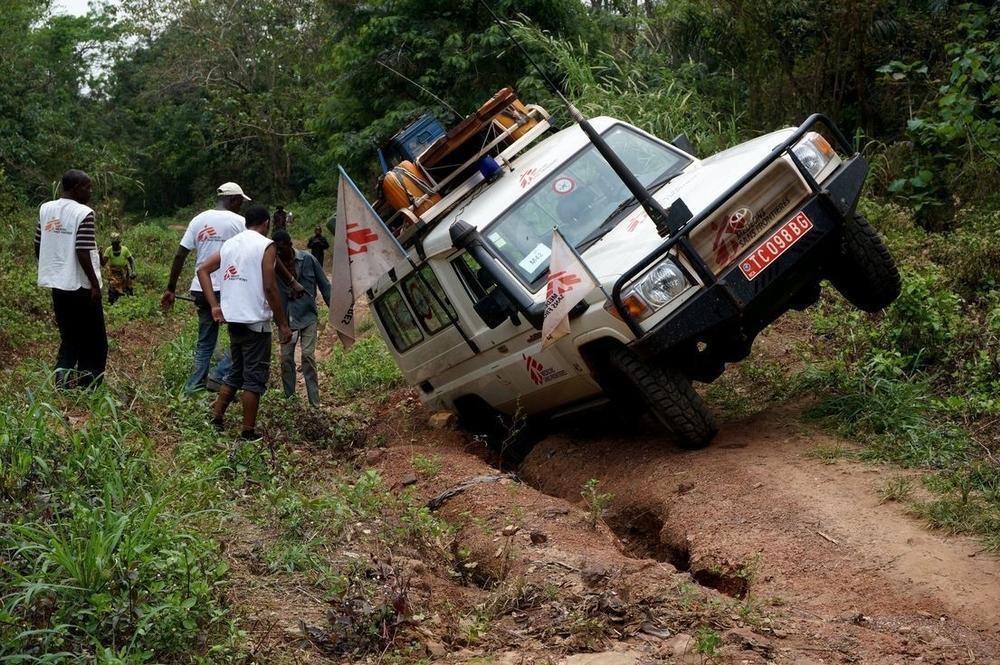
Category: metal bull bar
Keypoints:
(680, 237)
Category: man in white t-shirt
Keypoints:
(69, 264)
(250, 299)
(205, 235)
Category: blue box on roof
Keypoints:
(414, 139)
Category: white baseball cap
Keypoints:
(231, 189)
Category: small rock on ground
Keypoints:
(442, 420)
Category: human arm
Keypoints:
(288, 278)
(85, 246)
(272, 294)
(38, 238)
(205, 271)
(170, 295)
(131, 264)
(321, 281)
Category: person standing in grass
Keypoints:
(249, 299)
(121, 268)
(302, 315)
(205, 234)
(69, 265)
(318, 245)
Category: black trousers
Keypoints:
(83, 340)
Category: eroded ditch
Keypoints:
(647, 532)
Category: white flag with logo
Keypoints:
(569, 282)
(363, 251)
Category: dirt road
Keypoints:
(754, 514)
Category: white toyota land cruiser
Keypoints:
(751, 232)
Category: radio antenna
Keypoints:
(641, 194)
(409, 80)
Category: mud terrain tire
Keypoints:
(668, 395)
(866, 273)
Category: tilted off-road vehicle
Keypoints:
(751, 232)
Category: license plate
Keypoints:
(775, 245)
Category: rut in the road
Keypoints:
(644, 533)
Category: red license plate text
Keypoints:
(776, 245)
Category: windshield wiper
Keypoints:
(613, 217)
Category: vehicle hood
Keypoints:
(700, 184)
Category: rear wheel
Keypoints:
(865, 273)
(667, 394)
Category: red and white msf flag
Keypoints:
(363, 251)
(569, 283)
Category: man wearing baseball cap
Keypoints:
(205, 235)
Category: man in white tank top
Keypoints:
(250, 299)
(69, 264)
(204, 236)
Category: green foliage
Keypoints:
(367, 367)
(596, 502)
(957, 129)
(94, 555)
(638, 85)
(707, 642)
(909, 384)
(895, 489)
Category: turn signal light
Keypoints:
(634, 306)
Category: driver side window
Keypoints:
(490, 302)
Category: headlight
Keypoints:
(662, 284)
(814, 152)
(654, 290)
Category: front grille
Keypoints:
(764, 202)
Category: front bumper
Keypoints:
(736, 308)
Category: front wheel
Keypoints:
(865, 272)
(667, 394)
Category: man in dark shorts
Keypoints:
(250, 298)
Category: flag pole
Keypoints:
(423, 280)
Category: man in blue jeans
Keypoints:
(205, 235)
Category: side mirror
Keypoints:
(496, 308)
(682, 142)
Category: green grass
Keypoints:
(918, 385)
(367, 368)
(97, 553)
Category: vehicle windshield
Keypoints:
(577, 197)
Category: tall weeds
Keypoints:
(96, 562)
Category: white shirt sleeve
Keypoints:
(188, 241)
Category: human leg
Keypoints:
(208, 335)
(65, 305)
(93, 340)
(288, 368)
(222, 367)
(256, 356)
(251, 403)
(307, 337)
(234, 378)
